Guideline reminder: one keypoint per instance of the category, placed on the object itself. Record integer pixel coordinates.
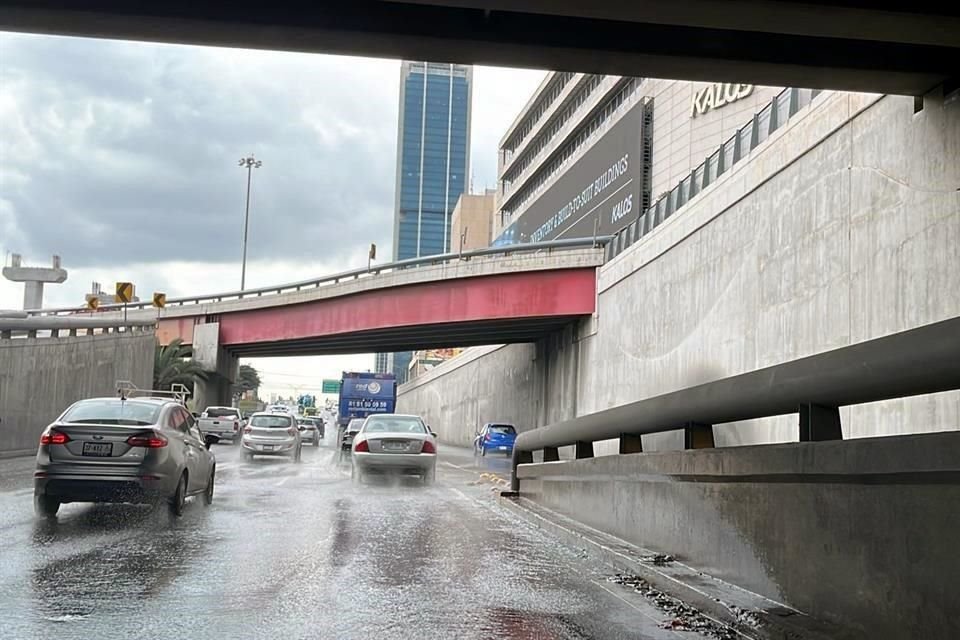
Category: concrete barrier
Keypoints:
(40, 377)
(859, 533)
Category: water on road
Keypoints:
(297, 551)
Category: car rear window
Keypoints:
(503, 428)
(270, 422)
(354, 425)
(394, 424)
(113, 412)
(221, 412)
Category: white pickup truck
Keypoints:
(225, 422)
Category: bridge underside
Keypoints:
(433, 336)
(881, 46)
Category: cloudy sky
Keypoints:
(122, 157)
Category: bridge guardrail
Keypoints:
(773, 116)
(51, 326)
(532, 247)
(915, 362)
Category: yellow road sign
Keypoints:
(159, 300)
(93, 302)
(124, 292)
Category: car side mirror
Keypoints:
(433, 434)
(210, 439)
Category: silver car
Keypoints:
(123, 450)
(271, 434)
(393, 443)
(309, 432)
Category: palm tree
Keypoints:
(170, 366)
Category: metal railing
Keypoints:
(914, 362)
(54, 326)
(354, 274)
(773, 116)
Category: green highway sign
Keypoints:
(331, 386)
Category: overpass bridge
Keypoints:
(884, 46)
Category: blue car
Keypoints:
(495, 437)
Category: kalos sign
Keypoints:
(716, 95)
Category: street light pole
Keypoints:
(250, 163)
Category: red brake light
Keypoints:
(488, 437)
(236, 425)
(362, 447)
(54, 437)
(151, 441)
(292, 431)
(428, 447)
(248, 429)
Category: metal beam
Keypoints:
(915, 362)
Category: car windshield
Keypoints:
(270, 422)
(503, 428)
(113, 412)
(220, 412)
(394, 424)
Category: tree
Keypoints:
(248, 380)
(171, 366)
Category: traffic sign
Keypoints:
(124, 292)
(93, 302)
(159, 300)
(331, 386)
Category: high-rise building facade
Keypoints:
(433, 162)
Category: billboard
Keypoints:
(602, 192)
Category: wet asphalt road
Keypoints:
(296, 551)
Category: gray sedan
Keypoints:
(392, 443)
(271, 434)
(123, 450)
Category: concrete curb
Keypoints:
(751, 615)
(18, 453)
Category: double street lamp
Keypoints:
(250, 163)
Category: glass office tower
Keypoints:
(433, 163)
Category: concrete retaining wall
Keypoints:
(40, 377)
(860, 533)
(842, 227)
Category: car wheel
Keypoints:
(430, 477)
(483, 451)
(208, 494)
(46, 506)
(179, 498)
(297, 455)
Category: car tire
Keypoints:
(298, 454)
(483, 451)
(430, 477)
(46, 506)
(179, 498)
(208, 493)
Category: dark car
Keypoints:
(140, 450)
(495, 437)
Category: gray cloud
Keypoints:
(116, 152)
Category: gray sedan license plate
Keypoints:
(268, 447)
(99, 449)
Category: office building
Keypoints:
(471, 225)
(589, 153)
(433, 163)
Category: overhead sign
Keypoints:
(717, 95)
(331, 386)
(124, 292)
(159, 300)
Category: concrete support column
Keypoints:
(818, 423)
(631, 443)
(33, 279)
(214, 391)
(698, 436)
